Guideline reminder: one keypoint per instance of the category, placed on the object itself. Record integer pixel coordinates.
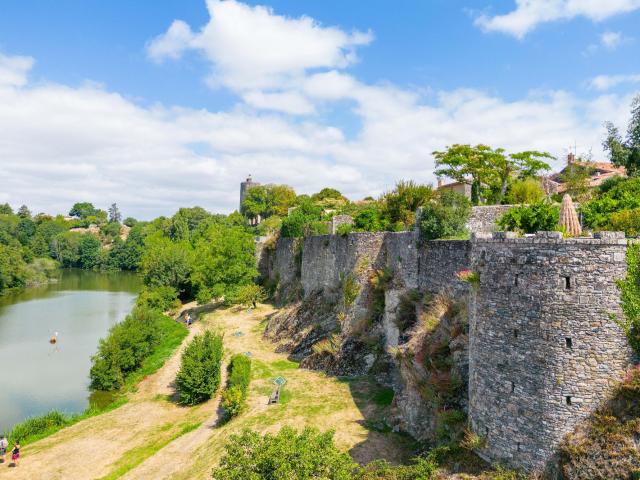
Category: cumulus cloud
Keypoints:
(61, 144)
(607, 82)
(14, 69)
(528, 14)
(252, 48)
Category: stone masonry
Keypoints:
(544, 346)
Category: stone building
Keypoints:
(244, 188)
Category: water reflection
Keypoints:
(39, 376)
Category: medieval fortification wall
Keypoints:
(544, 347)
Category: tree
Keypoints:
(224, 260)
(23, 212)
(199, 374)
(625, 152)
(400, 204)
(304, 220)
(250, 295)
(615, 195)
(287, 454)
(83, 210)
(114, 214)
(5, 209)
(165, 263)
(528, 190)
(267, 200)
(25, 230)
(445, 217)
(488, 171)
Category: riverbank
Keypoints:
(152, 437)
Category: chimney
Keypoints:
(571, 158)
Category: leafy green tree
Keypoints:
(13, 269)
(160, 298)
(250, 295)
(302, 221)
(83, 210)
(613, 196)
(488, 170)
(445, 217)
(224, 261)
(370, 218)
(23, 212)
(540, 216)
(625, 152)
(125, 348)
(576, 179)
(400, 204)
(268, 200)
(199, 375)
(114, 214)
(165, 263)
(89, 251)
(66, 248)
(528, 190)
(130, 222)
(5, 209)
(307, 455)
(270, 226)
(630, 296)
(25, 230)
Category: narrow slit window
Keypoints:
(568, 399)
(569, 342)
(513, 387)
(567, 283)
(515, 333)
(515, 281)
(518, 446)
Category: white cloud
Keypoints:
(60, 145)
(528, 14)
(611, 40)
(253, 48)
(13, 70)
(607, 82)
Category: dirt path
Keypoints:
(153, 438)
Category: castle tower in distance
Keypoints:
(244, 188)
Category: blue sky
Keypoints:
(107, 101)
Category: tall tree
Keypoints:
(23, 212)
(83, 210)
(114, 214)
(489, 171)
(5, 209)
(625, 152)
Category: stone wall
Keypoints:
(543, 348)
(485, 218)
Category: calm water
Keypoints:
(37, 376)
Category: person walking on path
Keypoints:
(15, 454)
(3, 448)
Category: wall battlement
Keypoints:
(544, 346)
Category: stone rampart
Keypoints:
(544, 349)
(485, 218)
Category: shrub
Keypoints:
(446, 217)
(235, 396)
(532, 218)
(423, 468)
(528, 190)
(614, 196)
(125, 348)
(344, 229)
(627, 221)
(287, 454)
(630, 296)
(160, 298)
(37, 426)
(199, 375)
(350, 288)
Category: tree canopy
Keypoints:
(625, 152)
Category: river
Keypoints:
(37, 376)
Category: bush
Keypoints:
(287, 454)
(528, 190)
(627, 221)
(344, 229)
(614, 196)
(235, 396)
(160, 298)
(199, 375)
(532, 218)
(37, 426)
(446, 217)
(630, 296)
(308, 455)
(125, 348)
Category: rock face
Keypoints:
(541, 348)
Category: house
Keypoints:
(598, 173)
(460, 187)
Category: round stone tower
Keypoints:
(244, 188)
(544, 346)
